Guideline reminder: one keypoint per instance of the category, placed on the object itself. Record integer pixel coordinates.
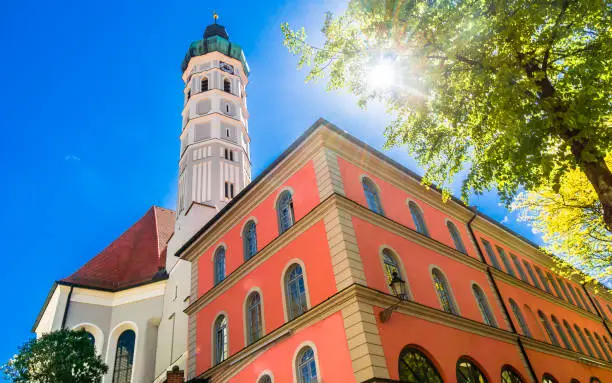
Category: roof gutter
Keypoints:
(66, 308)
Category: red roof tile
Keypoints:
(132, 259)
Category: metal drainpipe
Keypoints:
(66, 309)
(534, 376)
(603, 318)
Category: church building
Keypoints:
(333, 265)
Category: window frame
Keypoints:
(454, 307)
(520, 318)
(423, 354)
(456, 238)
(249, 244)
(226, 347)
(417, 212)
(372, 193)
(297, 353)
(248, 336)
(475, 367)
(482, 302)
(114, 377)
(279, 204)
(217, 278)
(284, 288)
(399, 264)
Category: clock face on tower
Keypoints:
(226, 67)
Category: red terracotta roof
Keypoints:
(132, 259)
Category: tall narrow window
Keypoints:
(204, 84)
(443, 291)
(483, 305)
(547, 378)
(306, 366)
(575, 295)
(249, 237)
(569, 330)
(284, 210)
(532, 274)
(415, 367)
(601, 310)
(607, 343)
(520, 318)
(509, 375)
(593, 344)
(221, 343)
(265, 379)
(454, 233)
(468, 372)
(504, 258)
(584, 301)
(253, 317)
(586, 344)
(391, 266)
(227, 86)
(417, 217)
(553, 282)
(543, 279)
(490, 253)
(602, 346)
(295, 291)
(372, 197)
(219, 262)
(519, 268)
(565, 292)
(231, 187)
(549, 331)
(561, 332)
(124, 357)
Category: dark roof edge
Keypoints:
(44, 307)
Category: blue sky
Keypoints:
(90, 102)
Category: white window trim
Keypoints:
(448, 284)
(213, 344)
(472, 284)
(97, 333)
(111, 349)
(401, 266)
(244, 311)
(283, 287)
(297, 351)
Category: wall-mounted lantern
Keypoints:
(398, 286)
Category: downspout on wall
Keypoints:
(534, 376)
(65, 317)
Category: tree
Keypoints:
(63, 356)
(514, 93)
(571, 224)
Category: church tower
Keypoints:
(214, 161)
(214, 166)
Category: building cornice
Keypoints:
(536, 345)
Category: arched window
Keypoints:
(372, 197)
(454, 233)
(306, 366)
(483, 305)
(607, 343)
(295, 291)
(227, 86)
(415, 367)
(519, 268)
(554, 284)
(595, 380)
(124, 357)
(221, 342)
(575, 295)
(249, 238)
(504, 258)
(586, 344)
(569, 330)
(543, 279)
(284, 210)
(443, 291)
(490, 253)
(391, 266)
(601, 310)
(265, 379)
(584, 301)
(549, 331)
(536, 283)
(468, 372)
(564, 289)
(574, 381)
(204, 84)
(590, 338)
(547, 378)
(253, 317)
(603, 348)
(417, 217)
(561, 332)
(219, 261)
(509, 375)
(520, 318)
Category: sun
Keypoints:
(382, 75)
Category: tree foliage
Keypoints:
(571, 224)
(516, 94)
(63, 356)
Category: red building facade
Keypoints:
(290, 280)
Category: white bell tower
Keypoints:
(214, 167)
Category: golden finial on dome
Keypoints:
(215, 16)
